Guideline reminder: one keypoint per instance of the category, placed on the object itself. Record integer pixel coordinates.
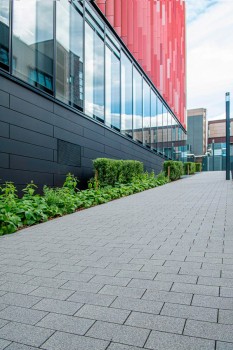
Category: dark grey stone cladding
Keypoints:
(31, 124)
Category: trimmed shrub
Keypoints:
(198, 167)
(111, 171)
(176, 169)
(189, 168)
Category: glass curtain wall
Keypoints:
(94, 74)
(116, 92)
(146, 114)
(112, 89)
(33, 44)
(137, 105)
(126, 96)
(153, 121)
(159, 126)
(69, 54)
(4, 33)
(169, 135)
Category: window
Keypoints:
(32, 43)
(153, 120)
(146, 114)
(112, 90)
(160, 126)
(126, 96)
(4, 36)
(69, 48)
(94, 74)
(165, 144)
(137, 105)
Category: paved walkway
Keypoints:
(153, 271)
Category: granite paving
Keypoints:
(149, 271)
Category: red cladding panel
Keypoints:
(154, 32)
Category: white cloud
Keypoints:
(209, 54)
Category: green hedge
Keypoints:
(198, 167)
(111, 171)
(189, 168)
(176, 169)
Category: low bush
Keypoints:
(111, 171)
(176, 169)
(198, 167)
(32, 208)
(189, 168)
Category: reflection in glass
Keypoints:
(69, 47)
(169, 135)
(126, 96)
(153, 120)
(4, 34)
(146, 114)
(112, 91)
(160, 126)
(165, 145)
(32, 45)
(94, 74)
(137, 105)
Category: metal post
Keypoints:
(213, 152)
(228, 136)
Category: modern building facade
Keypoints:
(197, 131)
(71, 90)
(217, 137)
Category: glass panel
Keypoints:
(165, 145)
(94, 74)
(153, 120)
(4, 34)
(169, 135)
(137, 105)
(69, 46)
(126, 96)
(32, 45)
(112, 97)
(146, 114)
(160, 126)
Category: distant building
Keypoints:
(196, 131)
(217, 136)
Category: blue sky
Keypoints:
(209, 54)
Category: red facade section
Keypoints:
(154, 32)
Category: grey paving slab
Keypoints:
(224, 346)
(195, 289)
(17, 346)
(93, 299)
(215, 331)
(26, 334)
(69, 324)
(61, 341)
(102, 313)
(168, 341)
(132, 304)
(19, 299)
(190, 312)
(23, 315)
(119, 333)
(53, 293)
(171, 297)
(58, 306)
(156, 322)
(159, 261)
(123, 291)
(4, 343)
